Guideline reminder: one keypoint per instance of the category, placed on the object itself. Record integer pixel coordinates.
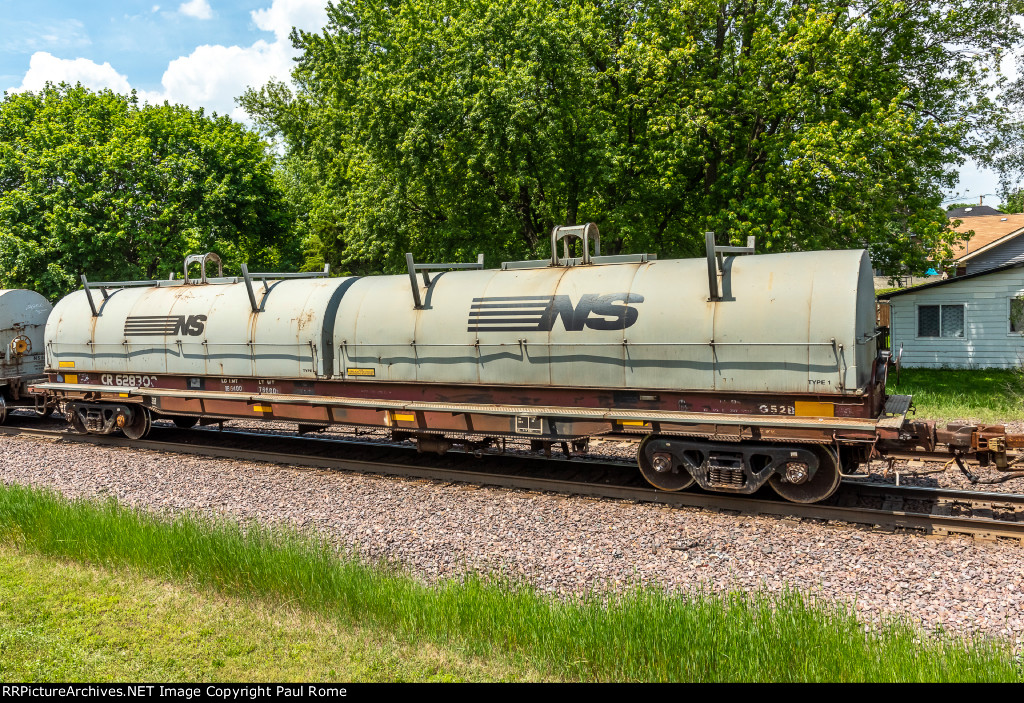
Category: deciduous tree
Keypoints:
(1014, 202)
(450, 127)
(94, 183)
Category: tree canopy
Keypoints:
(91, 182)
(1014, 202)
(450, 127)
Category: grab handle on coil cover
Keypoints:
(584, 233)
(201, 259)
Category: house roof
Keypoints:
(972, 211)
(989, 231)
(950, 281)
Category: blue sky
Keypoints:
(202, 53)
(137, 38)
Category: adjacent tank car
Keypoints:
(737, 370)
(23, 315)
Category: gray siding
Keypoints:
(1011, 252)
(987, 341)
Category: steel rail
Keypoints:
(933, 493)
(940, 525)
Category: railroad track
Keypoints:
(930, 511)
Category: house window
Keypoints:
(1017, 315)
(941, 320)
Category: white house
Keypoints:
(975, 320)
(996, 240)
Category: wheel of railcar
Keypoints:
(661, 470)
(184, 422)
(3, 410)
(139, 425)
(819, 487)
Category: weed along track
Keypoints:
(929, 511)
(595, 637)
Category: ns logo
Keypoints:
(165, 325)
(608, 311)
(193, 325)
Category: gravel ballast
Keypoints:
(559, 544)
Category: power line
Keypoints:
(965, 197)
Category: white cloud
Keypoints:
(156, 8)
(200, 9)
(212, 76)
(44, 66)
(282, 15)
(23, 37)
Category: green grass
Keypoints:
(641, 634)
(67, 621)
(986, 395)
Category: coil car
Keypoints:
(739, 370)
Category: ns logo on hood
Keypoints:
(538, 313)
